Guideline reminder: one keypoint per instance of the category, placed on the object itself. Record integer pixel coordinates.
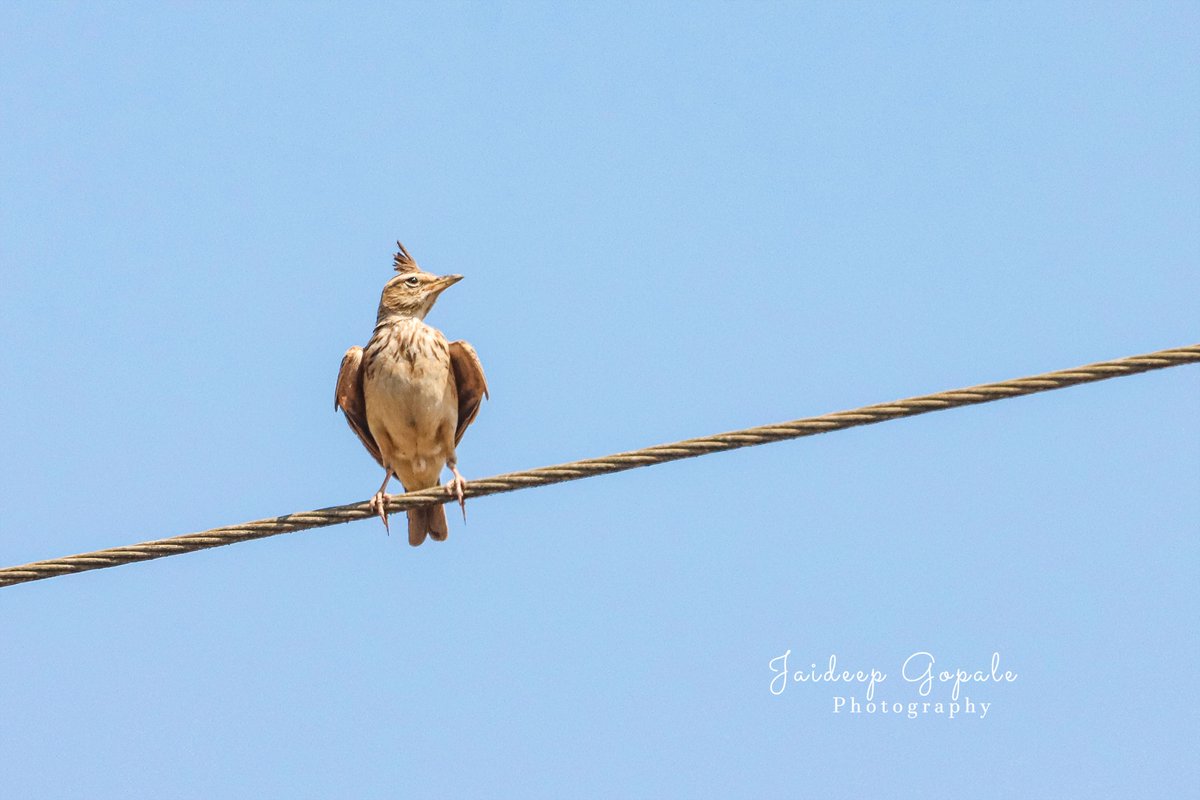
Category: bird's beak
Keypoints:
(445, 282)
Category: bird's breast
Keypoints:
(410, 396)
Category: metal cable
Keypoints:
(658, 454)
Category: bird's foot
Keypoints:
(379, 506)
(457, 485)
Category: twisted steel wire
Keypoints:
(618, 462)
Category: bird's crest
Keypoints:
(403, 261)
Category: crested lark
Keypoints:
(410, 394)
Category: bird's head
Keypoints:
(413, 291)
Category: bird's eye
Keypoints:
(414, 281)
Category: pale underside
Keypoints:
(412, 401)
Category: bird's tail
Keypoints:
(427, 520)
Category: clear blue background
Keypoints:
(673, 220)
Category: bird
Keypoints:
(410, 394)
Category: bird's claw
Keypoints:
(457, 485)
(379, 506)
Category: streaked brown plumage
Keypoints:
(410, 394)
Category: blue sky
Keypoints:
(673, 220)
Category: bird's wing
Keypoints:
(471, 385)
(350, 399)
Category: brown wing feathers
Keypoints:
(470, 383)
(349, 398)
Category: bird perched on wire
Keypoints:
(410, 395)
